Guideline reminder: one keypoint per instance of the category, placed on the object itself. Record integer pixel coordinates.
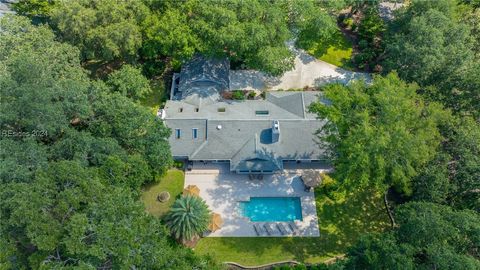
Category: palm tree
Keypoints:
(188, 217)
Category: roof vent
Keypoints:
(275, 131)
(219, 127)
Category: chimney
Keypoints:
(275, 131)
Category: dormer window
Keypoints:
(178, 133)
(197, 109)
(180, 110)
(194, 133)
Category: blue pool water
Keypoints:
(272, 208)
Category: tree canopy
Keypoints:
(43, 86)
(102, 30)
(253, 32)
(429, 236)
(34, 8)
(68, 218)
(379, 134)
(74, 153)
(428, 45)
(452, 177)
(130, 82)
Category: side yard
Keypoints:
(171, 182)
(157, 97)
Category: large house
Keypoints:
(254, 136)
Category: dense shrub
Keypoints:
(238, 95)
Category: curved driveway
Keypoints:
(308, 71)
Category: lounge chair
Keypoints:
(258, 229)
(294, 228)
(270, 229)
(282, 229)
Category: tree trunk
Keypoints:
(389, 212)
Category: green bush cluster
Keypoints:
(178, 164)
(238, 95)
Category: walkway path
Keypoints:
(308, 71)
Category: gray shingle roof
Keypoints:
(280, 105)
(289, 101)
(234, 140)
(186, 145)
(239, 131)
(252, 156)
(203, 80)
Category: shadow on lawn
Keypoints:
(358, 213)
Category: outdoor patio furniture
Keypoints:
(282, 229)
(289, 230)
(270, 228)
(308, 189)
(216, 222)
(311, 179)
(294, 228)
(258, 229)
(191, 190)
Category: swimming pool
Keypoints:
(272, 208)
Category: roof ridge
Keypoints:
(199, 148)
(241, 148)
(272, 97)
(204, 142)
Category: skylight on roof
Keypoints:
(222, 109)
(262, 112)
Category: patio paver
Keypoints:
(223, 191)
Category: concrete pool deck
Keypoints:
(223, 191)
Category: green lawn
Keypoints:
(171, 182)
(157, 97)
(341, 221)
(336, 50)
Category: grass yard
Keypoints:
(171, 182)
(342, 220)
(157, 97)
(336, 51)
